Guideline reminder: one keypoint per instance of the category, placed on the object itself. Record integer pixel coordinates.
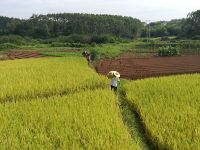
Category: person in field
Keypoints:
(87, 55)
(114, 76)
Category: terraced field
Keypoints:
(138, 68)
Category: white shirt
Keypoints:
(114, 81)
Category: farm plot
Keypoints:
(138, 68)
(43, 77)
(85, 120)
(169, 107)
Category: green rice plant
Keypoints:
(86, 120)
(169, 107)
(43, 77)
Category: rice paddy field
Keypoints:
(59, 103)
(62, 103)
(86, 120)
(31, 78)
(169, 108)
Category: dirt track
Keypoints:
(138, 68)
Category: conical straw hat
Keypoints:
(115, 73)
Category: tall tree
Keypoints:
(191, 25)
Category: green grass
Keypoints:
(110, 50)
(169, 107)
(130, 118)
(63, 54)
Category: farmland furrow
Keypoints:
(137, 68)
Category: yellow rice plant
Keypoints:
(31, 78)
(86, 120)
(170, 109)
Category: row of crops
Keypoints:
(86, 120)
(31, 78)
(59, 103)
(169, 108)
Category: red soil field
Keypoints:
(24, 54)
(138, 68)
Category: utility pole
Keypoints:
(148, 32)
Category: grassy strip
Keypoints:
(132, 120)
(62, 54)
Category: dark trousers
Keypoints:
(114, 88)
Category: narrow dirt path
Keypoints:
(134, 123)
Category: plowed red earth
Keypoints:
(137, 68)
(22, 54)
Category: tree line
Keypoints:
(67, 24)
(54, 25)
(188, 27)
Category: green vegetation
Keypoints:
(68, 24)
(168, 51)
(182, 28)
(104, 51)
(67, 28)
(169, 107)
(62, 54)
(5, 46)
(191, 28)
(184, 46)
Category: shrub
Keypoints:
(58, 44)
(165, 38)
(15, 39)
(197, 37)
(93, 44)
(77, 45)
(75, 38)
(94, 54)
(103, 39)
(168, 51)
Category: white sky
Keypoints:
(153, 10)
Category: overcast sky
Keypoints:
(153, 10)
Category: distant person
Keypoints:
(87, 55)
(114, 75)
